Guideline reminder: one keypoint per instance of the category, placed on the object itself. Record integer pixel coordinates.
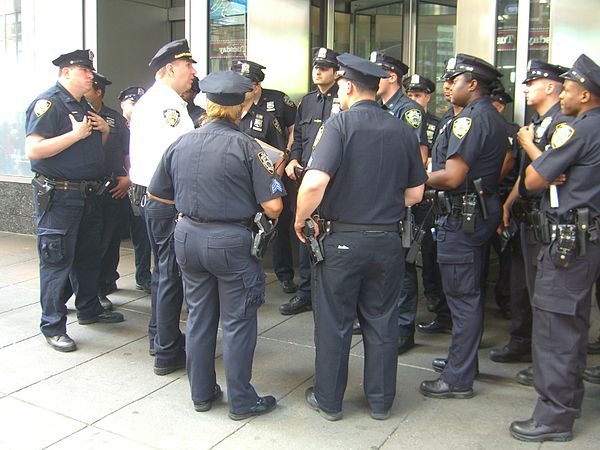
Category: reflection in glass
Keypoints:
(506, 47)
(227, 33)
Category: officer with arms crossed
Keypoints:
(569, 264)
(159, 118)
(64, 142)
(468, 211)
(365, 168)
(217, 177)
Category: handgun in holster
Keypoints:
(314, 246)
(299, 173)
(407, 226)
(478, 184)
(468, 207)
(45, 194)
(264, 234)
(441, 204)
(541, 227)
(582, 221)
(508, 233)
(413, 251)
(106, 184)
(565, 245)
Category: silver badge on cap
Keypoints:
(451, 64)
(373, 56)
(415, 79)
(322, 53)
(529, 65)
(245, 68)
(91, 55)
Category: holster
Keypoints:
(315, 251)
(262, 235)
(406, 227)
(541, 228)
(565, 245)
(468, 207)
(582, 221)
(45, 194)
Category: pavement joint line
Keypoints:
(101, 429)
(18, 307)
(389, 436)
(50, 411)
(20, 262)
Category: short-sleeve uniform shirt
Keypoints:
(117, 146)
(402, 107)
(48, 117)
(263, 125)
(216, 173)
(159, 117)
(371, 159)
(280, 105)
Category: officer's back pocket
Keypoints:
(51, 245)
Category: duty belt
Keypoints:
(243, 222)
(524, 210)
(341, 227)
(84, 186)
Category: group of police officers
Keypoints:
(372, 179)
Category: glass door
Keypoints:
(378, 25)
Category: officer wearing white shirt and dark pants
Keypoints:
(159, 118)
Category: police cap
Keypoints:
(585, 72)
(325, 57)
(355, 68)
(499, 94)
(448, 70)
(418, 83)
(133, 92)
(389, 63)
(83, 58)
(170, 52)
(539, 69)
(480, 69)
(225, 88)
(101, 81)
(249, 69)
(195, 87)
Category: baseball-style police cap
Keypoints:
(249, 69)
(355, 68)
(225, 88)
(418, 83)
(100, 80)
(170, 52)
(195, 86)
(585, 72)
(481, 70)
(82, 58)
(539, 69)
(325, 57)
(133, 92)
(389, 63)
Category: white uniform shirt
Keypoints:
(159, 117)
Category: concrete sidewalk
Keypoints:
(105, 394)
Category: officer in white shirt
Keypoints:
(159, 118)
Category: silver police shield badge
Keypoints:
(561, 135)
(172, 117)
(414, 117)
(461, 127)
(539, 132)
(318, 137)
(41, 106)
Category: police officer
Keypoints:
(113, 201)
(65, 145)
(543, 86)
(565, 272)
(313, 111)
(218, 200)
(419, 89)
(159, 118)
(195, 111)
(467, 170)
(361, 197)
(137, 228)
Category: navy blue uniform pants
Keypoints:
(167, 290)
(68, 247)
(561, 313)
(114, 216)
(363, 273)
(461, 257)
(223, 281)
(141, 248)
(283, 261)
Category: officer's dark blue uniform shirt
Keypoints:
(575, 152)
(195, 113)
(371, 159)
(544, 127)
(402, 107)
(508, 181)
(216, 173)
(117, 146)
(313, 111)
(479, 137)
(48, 117)
(280, 105)
(440, 143)
(431, 125)
(263, 125)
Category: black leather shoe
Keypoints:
(105, 302)
(207, 404)
(405, 343)
(525, 376)
(593, 348)
(531, 431)
(264, 405)
(161, 368)
(109, 288)
(434, 327)
(288, 286)
(356, 327)
(439, 364)
(311, 401)
(61, 343)
(440, 389)
(506, 354)
(143, 287)
(105, 317)
(296, 305)
(592, 375)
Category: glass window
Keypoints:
(227, 33)
(506, 47)
(539, 37)
(378, 28)
(436, 38)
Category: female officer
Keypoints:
(217, 177)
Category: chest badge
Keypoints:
(461, 127)
(41, 106)
(270, 106)
(561, 135)
(172, 117)
(257, 125)
(318, 137)
(541, 129)
(110, 121)
(413, 117)
(266, 162)
(335, 106)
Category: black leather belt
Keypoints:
(82, 186)
(341, 227)
(243, 222)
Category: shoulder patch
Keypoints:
(561, 135)
(318, 137)
(461, 127)
(277, 125)
(288, 101)
(41, 107)
(172, 117)
(266, 162)
(414, 117)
